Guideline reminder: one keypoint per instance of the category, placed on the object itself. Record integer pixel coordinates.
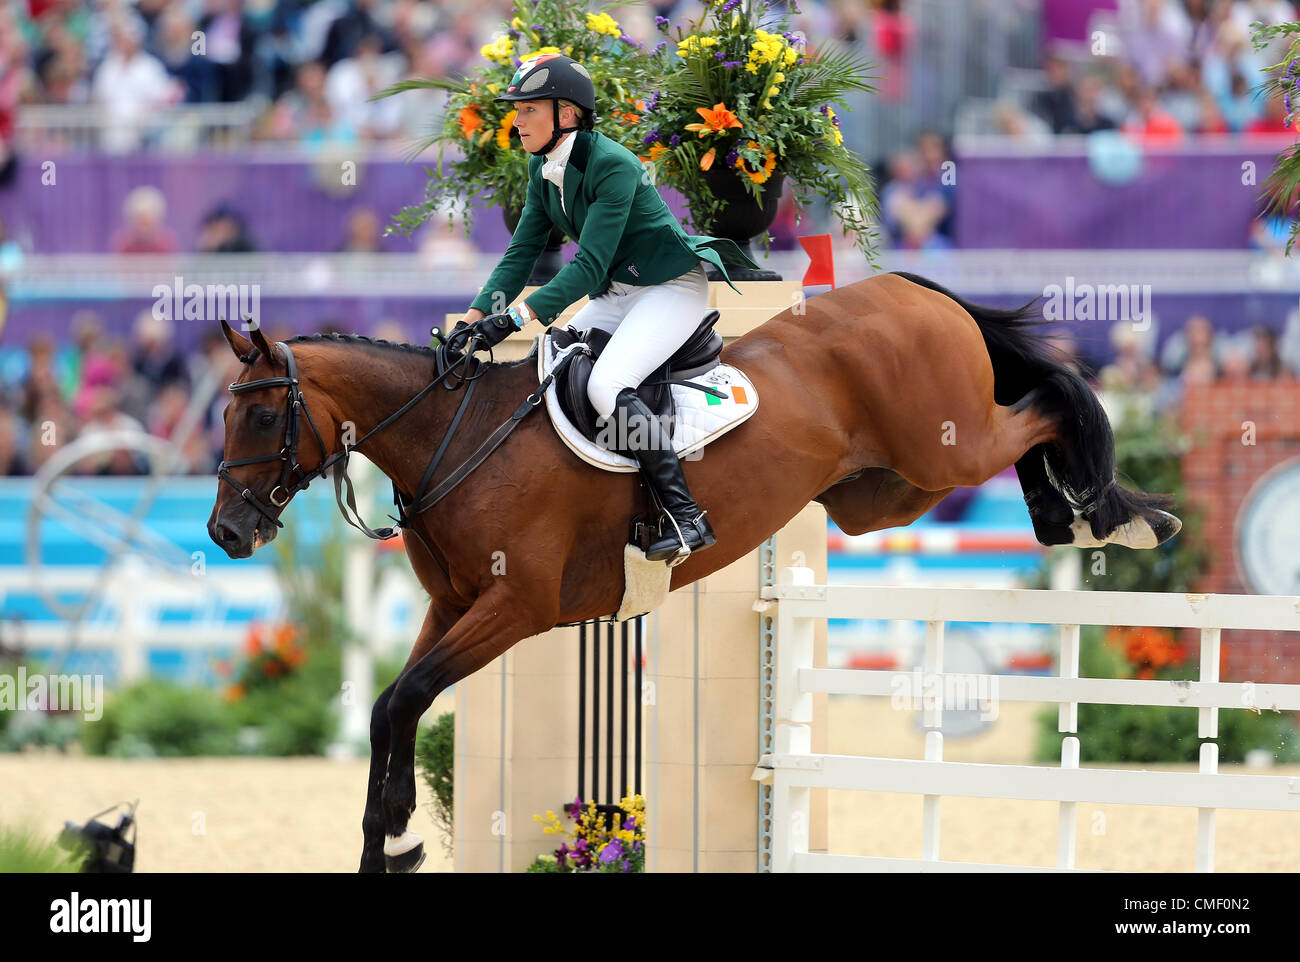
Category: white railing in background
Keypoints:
(45, 129)
(793, 769)
(972, 274)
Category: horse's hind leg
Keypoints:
(1049, 510)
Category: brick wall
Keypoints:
(1219, 470)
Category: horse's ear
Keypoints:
(238, 343)
(262, 344)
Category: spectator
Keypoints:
(1149, 124)
(1266, 364)
(11, 447)
(1200, 366)
(352, 81)
(195, 73)
(1131, 370)
(361, 232)
(102, 416)
(1155, 34)
(1088, 117)
(155, 358)
(229, 43)
(130, 84)
(346, 32)
(1010, 120)
(305, 115)
(937, 177)
(144, 231)
(224, 232)
(1055, 105)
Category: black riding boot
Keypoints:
(687, 529)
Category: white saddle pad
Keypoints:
(700, 417)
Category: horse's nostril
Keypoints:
(227, 535)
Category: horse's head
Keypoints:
(260, 471)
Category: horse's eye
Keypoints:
(266, 420)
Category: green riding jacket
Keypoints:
(625, 233)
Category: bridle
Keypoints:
(455, 369)
(292, 476)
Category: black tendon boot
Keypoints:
(687, 530)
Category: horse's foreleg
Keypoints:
(494, 623)
(372, 823)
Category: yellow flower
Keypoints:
(485, 137)
(516, 23)
(503, 132)
(791, 55)
(544, 50)
(603, 23)
(707, 160)
(500, 51)
(778, 77)
(773, 91)
(494, 88)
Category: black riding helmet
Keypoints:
(554, 77)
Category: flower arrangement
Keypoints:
(592, 846)
(477, 132)
(1283, 184)
(270, 655)
(1147, 650)
(737, 90)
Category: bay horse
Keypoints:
(877, 400)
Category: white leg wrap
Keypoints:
(401, 844)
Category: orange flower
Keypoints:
(707, 160)
(757, 176)
(715, 120)
(271, 668)
(253, 647)
(234, 692)
(469, 120)
(655, 150)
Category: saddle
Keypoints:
(697, 356)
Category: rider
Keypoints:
(642, 272)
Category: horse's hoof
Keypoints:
(403, 854)
(1140, 533)
(1165, 525)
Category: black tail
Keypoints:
(1082, 461)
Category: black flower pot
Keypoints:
(743, 218)
(551, 259)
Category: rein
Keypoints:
(294, 478)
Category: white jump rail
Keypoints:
(793, 769)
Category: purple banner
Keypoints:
(1172, 201)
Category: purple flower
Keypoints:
(719, 55)
(660, 45)
(650, 138)
(730, 5)
(613, 852)
(629, 41)
(1286, 101)
(823, 109)
(653, 102)
(732, 156)
(795, 6)
(662, 22)
(512, 33)
(674, 140)
(733, 63)
(629, 823)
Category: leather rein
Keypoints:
(452, 374)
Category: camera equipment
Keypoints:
(108, 851)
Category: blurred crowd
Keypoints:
(51, 394)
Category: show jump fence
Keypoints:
(793, 769)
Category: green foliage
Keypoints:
(484, 161)
(24, 850)
(547, 864)
(1154, 733)
(435, 755)
(157, 718)
(1283, 183)
(778, 102)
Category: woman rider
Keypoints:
(642, 272)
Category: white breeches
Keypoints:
(647, 323)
